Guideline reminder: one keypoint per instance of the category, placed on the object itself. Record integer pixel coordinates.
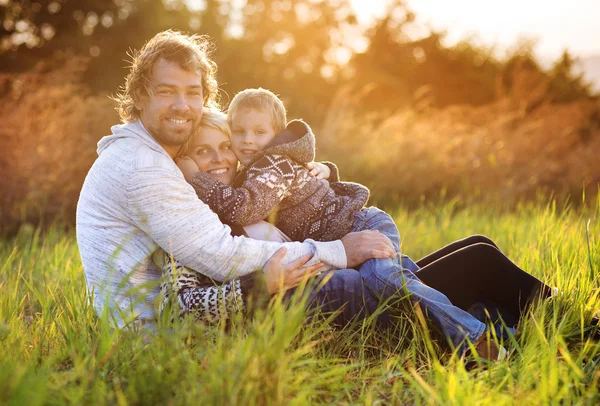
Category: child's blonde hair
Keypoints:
(211, 118)
(262, 100)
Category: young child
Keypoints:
(275, 184)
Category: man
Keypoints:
(136, 201)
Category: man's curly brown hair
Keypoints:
(191, 52)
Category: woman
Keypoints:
(463, 272)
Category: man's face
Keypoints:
(172, 111)
(251, 131)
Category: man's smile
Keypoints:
(178, 121)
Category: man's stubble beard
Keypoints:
(175, 139)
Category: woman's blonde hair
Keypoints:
(215, 119)
(191, 52)
(211, 118)
(262, 100)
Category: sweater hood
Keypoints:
(297, 142)
(134, 131)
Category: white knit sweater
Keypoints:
(134, 201)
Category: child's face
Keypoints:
(251, 131)
(211, 151)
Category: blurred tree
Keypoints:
(524, 78)
(396, 71)
(291, 47)
(565, 85)
(34, 30)
(403, 67)
(298, 49)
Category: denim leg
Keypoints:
(345, 293)
(408, 264)
(386, 278)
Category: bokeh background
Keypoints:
(397, 105)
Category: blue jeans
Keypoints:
(344, 293)
(386, 278)
(408, 264)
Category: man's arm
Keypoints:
(267, 184)
(164, 206)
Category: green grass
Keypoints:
(55, 350)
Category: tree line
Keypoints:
(303, 50)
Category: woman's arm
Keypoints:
(190, 292)
(267, 183)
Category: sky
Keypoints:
(557, 24)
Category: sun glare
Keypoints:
(556, 24)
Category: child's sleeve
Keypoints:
(267, 184)
(335, 173)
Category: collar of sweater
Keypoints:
(134, 130)
(297, 142)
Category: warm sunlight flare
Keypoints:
(556, 24)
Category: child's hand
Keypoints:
(318, 170)
(187, 166)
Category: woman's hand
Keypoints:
(318, 170)
(187, 166)
(283, 277)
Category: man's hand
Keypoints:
(318, 170)
(365, 245)
(283, 277)
(187, 166)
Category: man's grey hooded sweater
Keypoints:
(135, 201)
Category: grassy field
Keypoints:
(55, 350)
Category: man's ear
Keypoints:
(139, 104)
(140, 99)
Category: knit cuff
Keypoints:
(331, 253)
(203, 183)
(335, 173)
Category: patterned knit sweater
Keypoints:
(277, 187)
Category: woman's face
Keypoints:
(211, 151)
